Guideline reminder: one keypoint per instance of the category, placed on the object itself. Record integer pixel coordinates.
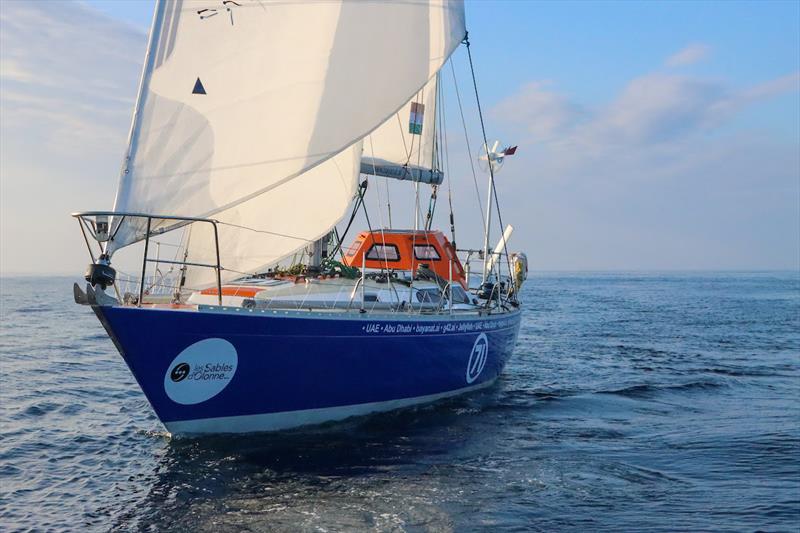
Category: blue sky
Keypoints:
(593, 47)
(653, 135)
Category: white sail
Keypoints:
(240, 98)
(256, 234)
(404, 146)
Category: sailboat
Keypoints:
(256, 130)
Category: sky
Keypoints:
(652, 135)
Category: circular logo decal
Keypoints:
(179, 372)
(477, 358)
(201, 371)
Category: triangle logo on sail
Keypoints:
(198, 87)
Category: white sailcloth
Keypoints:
(256, 234)
(238, 99)
(403, 146)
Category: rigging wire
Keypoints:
(419, 98)
(403, 137)
(486, 147)
(339, 239)
(446, 160)
(361, 191)
(388, 203)
(221, 223)
(431, 207)
(435, 161)
(416, 206)
(380, 213)
(466, 139)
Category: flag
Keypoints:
(510, 150)
(415, 120)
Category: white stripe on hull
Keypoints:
(307, 417)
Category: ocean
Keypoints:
(633, 402)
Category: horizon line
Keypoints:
(795, 270)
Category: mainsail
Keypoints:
(404, 146)
(243, 103)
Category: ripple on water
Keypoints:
(633, 402)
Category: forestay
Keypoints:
(240, 98)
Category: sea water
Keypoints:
(634, 402)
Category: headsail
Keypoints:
(258, 233)
(240, 98)
(404, 146)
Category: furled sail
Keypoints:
(404, 147)
(239, 99)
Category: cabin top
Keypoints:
(405, 250)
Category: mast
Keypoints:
(317, 251)
(488, 220)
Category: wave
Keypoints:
(28, 310)
(772, 371)
(647, 389)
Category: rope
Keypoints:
(347, 228)
(264, 231)
(336, 266)
(388, 203)
(435, 153)
(431, 207)
(380, 213)
(365, 184)
(446, 159)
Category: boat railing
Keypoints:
(97, 225)
(497, 260)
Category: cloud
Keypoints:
(72, 104)
(651, 109)
(541, 112)
(10, 70)
(654, 178)
(658, 107)
(68, 80)
(693, 53)
(767, 89)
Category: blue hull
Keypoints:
(226, 371)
